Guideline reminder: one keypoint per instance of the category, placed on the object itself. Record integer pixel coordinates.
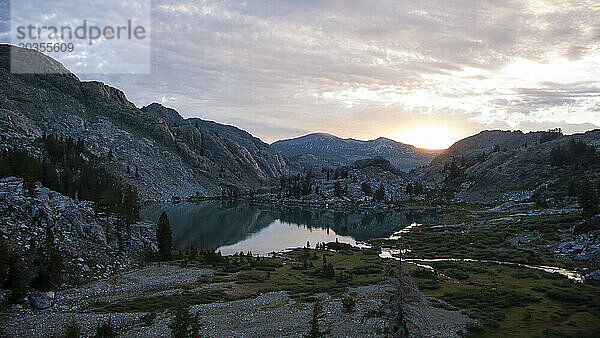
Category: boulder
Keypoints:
(503, 207)
(594, 277)
(3, 297)
(42, 300)
(586, 225)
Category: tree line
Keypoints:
(576, 152)
(71, 170)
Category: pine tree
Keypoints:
(30, 177)
(184, 324)
(164, 235)
(4, 261)
(105, 330)
(5, 170)
(366, 188)
(107, 203)
(588, 198)
(131, 204)
(418, 188)
(314, 331)
(338, 191)
(42, 280)
(16, 279)
(49, 176)
(55, 266)
(380, 193)
(49, 272)
(328, 270)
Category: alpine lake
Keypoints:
(238, 226)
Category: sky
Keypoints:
(424, 73)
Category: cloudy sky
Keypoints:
(426, 74)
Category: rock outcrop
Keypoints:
(88, 247)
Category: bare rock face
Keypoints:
(89, 248)
(17, 125)
(154, 148)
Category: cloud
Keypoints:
(365, 70)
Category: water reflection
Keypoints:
(279, 236)
(240, 226)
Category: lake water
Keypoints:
(236, 226)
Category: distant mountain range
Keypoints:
(320, 149)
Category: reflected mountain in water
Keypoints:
(215, 224)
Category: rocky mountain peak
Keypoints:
(328, 149)
(29, 61)
(100, 92)
(168, 114)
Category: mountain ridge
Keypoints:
(499, 165)
(327, 149)
(171, 156)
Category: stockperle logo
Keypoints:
(105, 37)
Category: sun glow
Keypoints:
(428, 137)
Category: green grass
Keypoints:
(509, 300)
(494, 241)
(250, 277)
(506, 300)
(305, 283)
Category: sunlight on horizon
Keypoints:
(428, 137)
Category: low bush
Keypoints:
(456, 274)
(525, 274)
(423, 273)
(366, 269)
(148, 319)
(72, 330)
(348, 303)
(105, 330)
(570, 296)
(482, 298)
(433, 284)
(251, 277)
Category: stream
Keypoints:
(388, 253)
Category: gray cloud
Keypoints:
(281, 68)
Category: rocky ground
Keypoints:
(73, 303)
(270, 314)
